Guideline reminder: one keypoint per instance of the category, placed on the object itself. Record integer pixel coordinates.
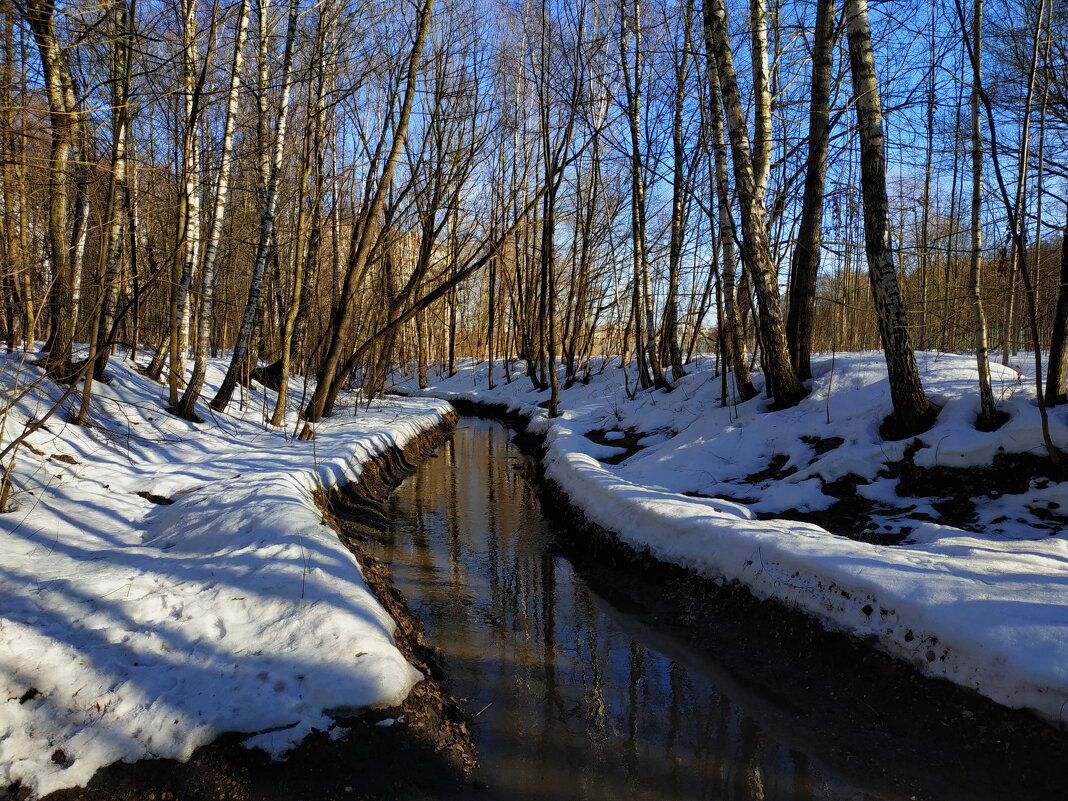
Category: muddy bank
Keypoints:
(425, 752)
(866, 713)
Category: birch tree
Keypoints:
(733, 340)
(237, 361)
(781, 380)
(987, 416)
(912, 410)
(632, 59)
(186, 406)
(65, 118)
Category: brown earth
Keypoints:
(954, 490)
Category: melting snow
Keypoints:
(131, 628)
(987, 608)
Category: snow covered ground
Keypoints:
(984, 605)
(131, 628)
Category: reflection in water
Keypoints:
(569, 701)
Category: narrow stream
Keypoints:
(571, 699)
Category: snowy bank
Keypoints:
(983, 604)
(165, 582)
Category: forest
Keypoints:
(338, 189)
(769, 299)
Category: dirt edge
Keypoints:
(431, 714)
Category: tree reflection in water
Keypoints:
(570, 700)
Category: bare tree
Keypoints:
(632, 59)
(987, 416)
(237, 361)
(186, 406)
(733, 339)
(781, 379)
(66, 118)
(328, 374)
(912, 410)
(806, 258)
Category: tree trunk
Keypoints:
(734, 343)
(63, 116)
(928, 175)
(186, 406)
(118, 199)
(912, 410)
(1057, 370)
(758, 51)
(782, 381)
(307, 243)
(328, 369)
(650, 372)
(987, 416)
(241, 347)
(670, 350)
(806, 261)
(189, 202)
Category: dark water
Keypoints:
(571, 698)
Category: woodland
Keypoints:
(339, 188)
(225, 222)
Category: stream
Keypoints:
(571, 697)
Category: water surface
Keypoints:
(571, 697)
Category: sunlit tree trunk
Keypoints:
(670, 338)
(309, 214)
(928, 176)
(64, 118)
(118, 200)
(19, 301)
(328, 369)
(1012, 209)
(241, 346)
(987, 419)
(122, 22)
(734, 343)
(912, 410)
(189, 202)
(186, 406)
(650, 372)
(782, 381)
(758, 51)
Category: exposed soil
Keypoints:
(628, 439)
(893, 430)
(822, 445)
(954, 492)
(427, 752)
(1009, 474)
(775, 470)
(851, 515)
(865, 712)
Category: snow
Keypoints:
(986, 607)
(131, 629)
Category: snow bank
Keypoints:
(986, 608)
(135, 629)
